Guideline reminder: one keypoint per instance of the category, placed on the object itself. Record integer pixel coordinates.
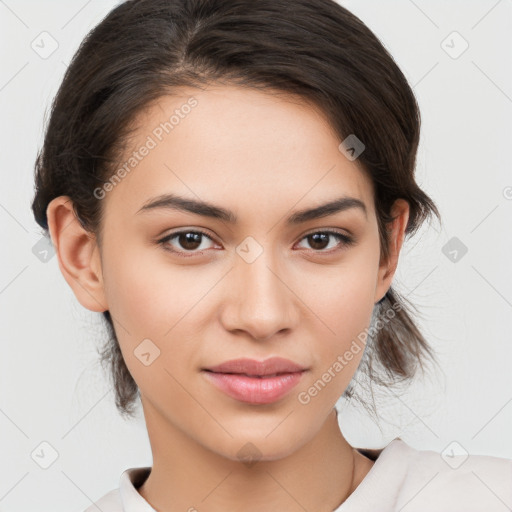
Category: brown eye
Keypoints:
(185, 241)
(189, 241)
(319, 240)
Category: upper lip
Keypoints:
(273, 365)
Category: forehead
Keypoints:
(233, 145)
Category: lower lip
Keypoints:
(254, 390)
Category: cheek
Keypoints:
(147, 293)
(341, 302)
(150, 300)
(342, 295)
(347, 316)
(337, 354)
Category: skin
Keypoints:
(263, 157)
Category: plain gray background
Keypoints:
(52, 387)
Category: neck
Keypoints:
(187, 476)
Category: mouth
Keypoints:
(252, 376)
(253, 368)
(255, 382)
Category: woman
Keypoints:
(230, 184)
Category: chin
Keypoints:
(257, 445)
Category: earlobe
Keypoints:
(400, 214)
(77, 253)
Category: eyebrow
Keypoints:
(205, 209)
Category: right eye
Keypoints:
(189, 240)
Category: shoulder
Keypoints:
(126, 496)
(404, 478)
(452, 481)
(110, 502)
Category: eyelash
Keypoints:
(345, 240)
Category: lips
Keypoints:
(252, 368)
(255, 382)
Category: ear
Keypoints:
(78, 254)
(396, 230)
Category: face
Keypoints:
(250, 278)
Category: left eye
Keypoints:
(318, 238)
(191, 241)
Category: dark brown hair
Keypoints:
(314, 49)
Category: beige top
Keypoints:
(401, 479)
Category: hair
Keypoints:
(315, 50)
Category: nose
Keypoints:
(259, 300)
